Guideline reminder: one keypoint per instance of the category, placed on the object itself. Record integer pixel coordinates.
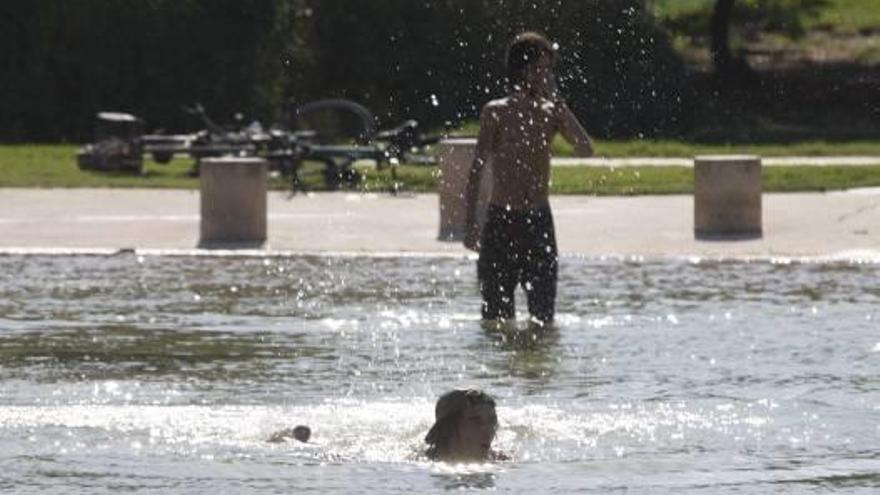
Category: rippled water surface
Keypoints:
(168, 374)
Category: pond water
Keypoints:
(167, 375)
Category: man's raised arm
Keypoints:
(574, 132)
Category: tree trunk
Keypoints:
(720, 32)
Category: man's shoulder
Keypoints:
(497, 103)
(496, 108)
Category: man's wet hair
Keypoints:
(448, 411)
(524, 50)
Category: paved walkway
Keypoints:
(831, 224)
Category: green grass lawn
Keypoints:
(669, 148)
(55, 166)
(49, 165)
(672, 148)
(675, 8)
(630, 181)
(604, 181)
(849, 15)
(838, 15)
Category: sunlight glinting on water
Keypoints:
(348, 428)
(157, 371)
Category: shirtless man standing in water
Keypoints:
(518, 243)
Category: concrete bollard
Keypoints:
(727, 197)
(233, 202)
(455, 156)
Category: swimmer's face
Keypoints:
(475, 432)
(539, 75)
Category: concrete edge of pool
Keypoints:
(850, 256)
(795, 225)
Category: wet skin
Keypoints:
(515, 135)
(474, 434)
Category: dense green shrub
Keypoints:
(64, 60)
(435, 60)
(441, 60)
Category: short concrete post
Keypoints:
(727, 197)
(455, 156)
(233, 202)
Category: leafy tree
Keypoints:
(440, 61)
(715, 20)
(66, 60)
(720, 34)
(436, 61)
(784, 16)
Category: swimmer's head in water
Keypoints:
(302, 433)
(526, 51)
(465, 426)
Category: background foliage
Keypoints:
(434, 60)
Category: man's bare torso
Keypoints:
(524, 130)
